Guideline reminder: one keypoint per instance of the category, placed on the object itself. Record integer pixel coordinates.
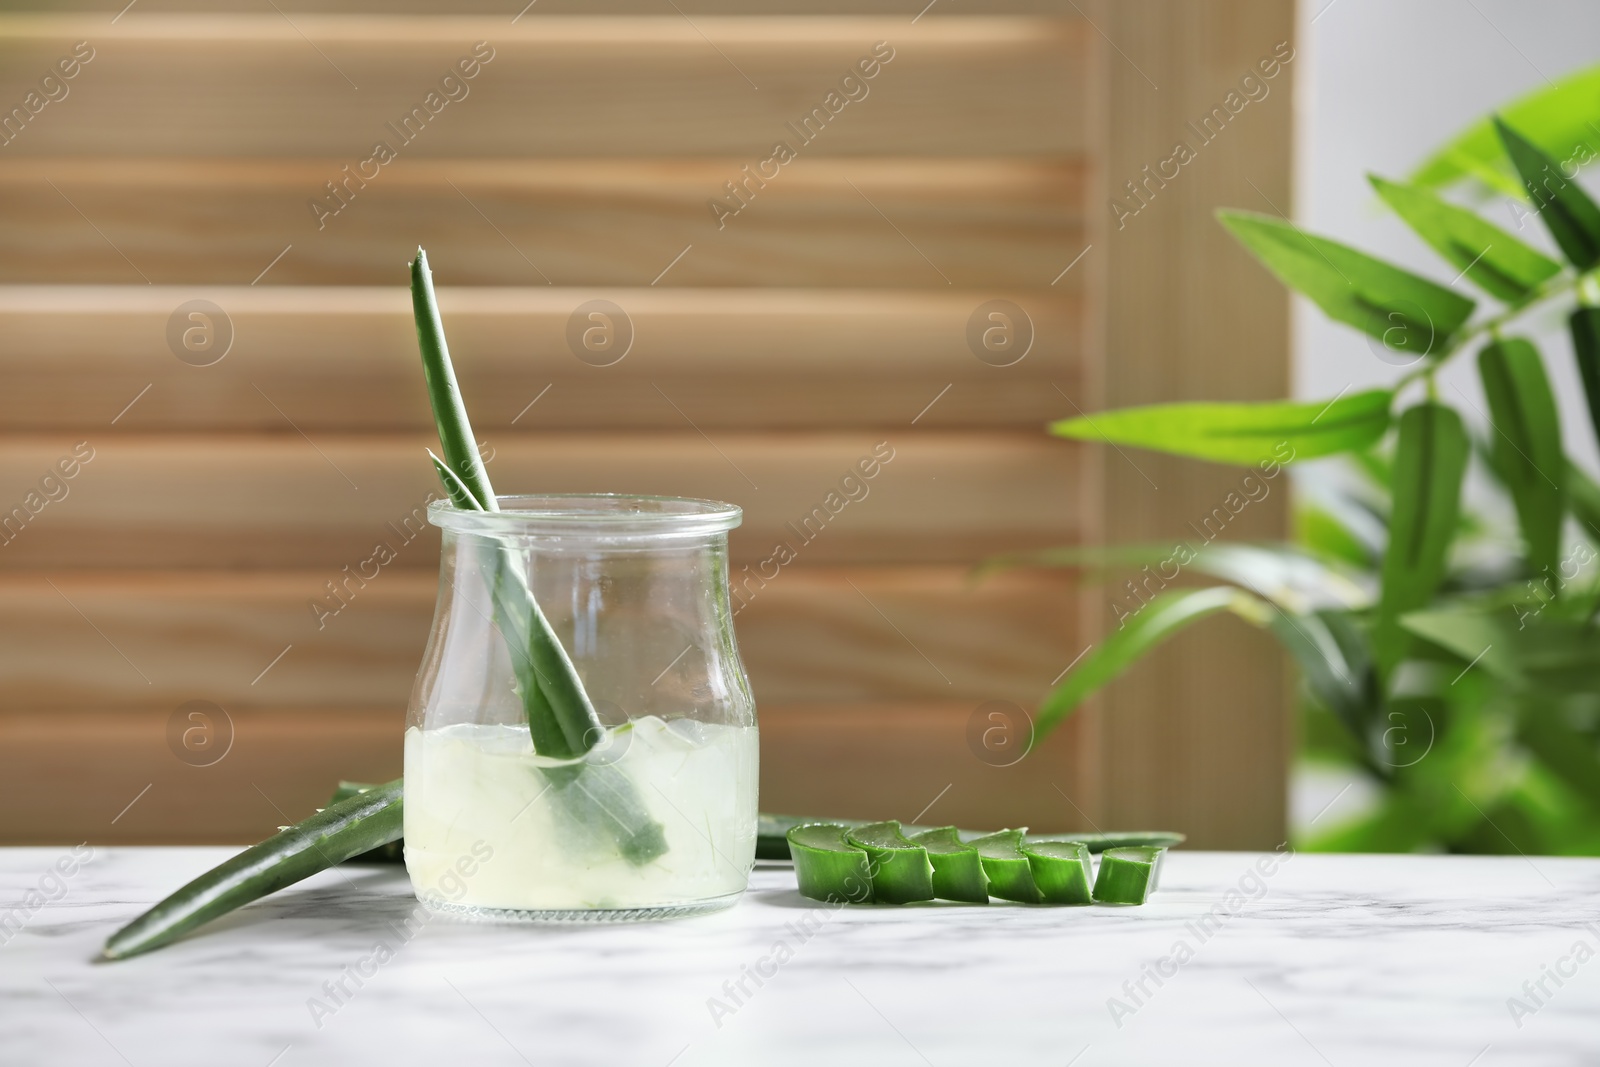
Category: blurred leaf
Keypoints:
(1495, 261)
(1271, 433)
(1155, 622)
(1484, 639)
(1585, 326)
(1430, 461)
(1557, 118)
(1405, 311)
(1331, 678)
(1503, 830)
(1377, 467)
(1569, 755)
(1564, 208)
(1529, 651)
(1525, 445)
(1583, 495)
(1325, 737)
(1321, 532)
(1279, 573)
(1398, 824)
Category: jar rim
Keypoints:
(592, 514)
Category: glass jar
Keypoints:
(505, 816)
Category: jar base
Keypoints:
(473, 913)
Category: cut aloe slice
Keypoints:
(827, 866)
(901, 872)
(957, 867)
(1010, 877)
(772, 845)
(1127, 875)
(1060, 870)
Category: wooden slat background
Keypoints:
(770, 352)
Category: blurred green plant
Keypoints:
(1456, 670)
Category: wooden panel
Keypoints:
(342, 358)
(160, 639)
(326, 85)
(915, 761)
(500, 9)
(286, 500)
(110, 776)
(815, 760)
(1196, 738)
(820, 223)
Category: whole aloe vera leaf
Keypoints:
(562, 722)
(354, 825)
(454, 487)
(449, 412)
(1060, 870)
(957, 867)
(901, 871)
(1010, 876)
(1127, 875)
(827, 866)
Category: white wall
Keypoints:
(1385, 81)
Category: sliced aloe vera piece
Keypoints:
(1060, 870)
(772, 845)
(1010, 877)
(827, 866)
(957, 867)
(901, 871)
(1127, 875)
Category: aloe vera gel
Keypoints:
(480, 791)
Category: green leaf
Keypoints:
(1583, 496)
(1271, 433)
(1290, 578)
(1377, 468)
(449, 412)
(1486, 639)
(1566, 210)
(1494, 260)
(454, 487)
(1324, 535)
(1585, 326)
(1525, 447)
(1526, 651)
(1407, 312)
(1558, 118)
(1397, 824)
(1568, 754)
(1335, 679)
(1158, 620)
(334, 834)
(1430, 462)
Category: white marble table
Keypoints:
(1340, 960)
